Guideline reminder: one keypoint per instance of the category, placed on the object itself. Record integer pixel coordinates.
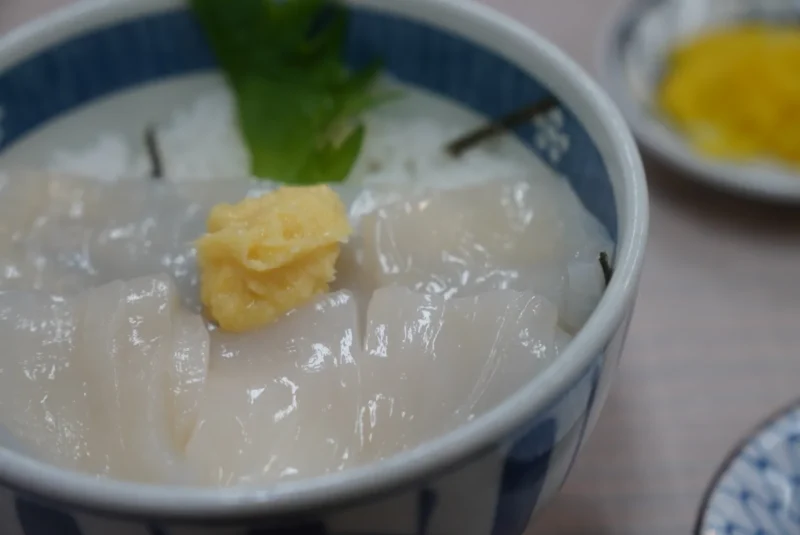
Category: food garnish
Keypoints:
(298, 104)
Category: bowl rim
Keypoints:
(447, 453)
(751, 180)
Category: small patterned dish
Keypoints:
(757, 489)
(633, 53)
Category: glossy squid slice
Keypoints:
(64, 234)
(432, 363)
(102, 381)
(503, 235)
(42, 403)
(282, 402)
(463, 242)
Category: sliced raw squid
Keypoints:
(445, 304)
(41, 390)
(65, 234)
(584, 239)
(432, 363)
(103, 381)
(282, 402)
(495, 236)
(301, 398)
(501, 235)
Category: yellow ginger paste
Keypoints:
(265, 256)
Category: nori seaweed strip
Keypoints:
(498, 126)
(608, 271)
(151, 143)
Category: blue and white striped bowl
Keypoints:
(486, 478)
(757, 489)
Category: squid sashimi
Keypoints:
(500, 235)
(282, 401)
(102, 381)
(42, 398)
(432, 363)
(444, 304)
(302, 398)
(464, 242)
(65, 234)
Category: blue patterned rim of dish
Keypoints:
(756, 489)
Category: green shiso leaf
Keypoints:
(298, 105)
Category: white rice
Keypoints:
(108, 157)
(202, 141)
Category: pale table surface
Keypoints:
(713, 347)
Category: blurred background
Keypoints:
(713, 345)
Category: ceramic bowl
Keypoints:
(633, 53)
(485, 478)
(756, 490)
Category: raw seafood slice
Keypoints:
(281, 401)
(102, 381)
(188, 370)
(300, 398)
(585, 287)
(430, 363)
(64, 234)
(500, 235)
(584, 239)
(42, 401)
